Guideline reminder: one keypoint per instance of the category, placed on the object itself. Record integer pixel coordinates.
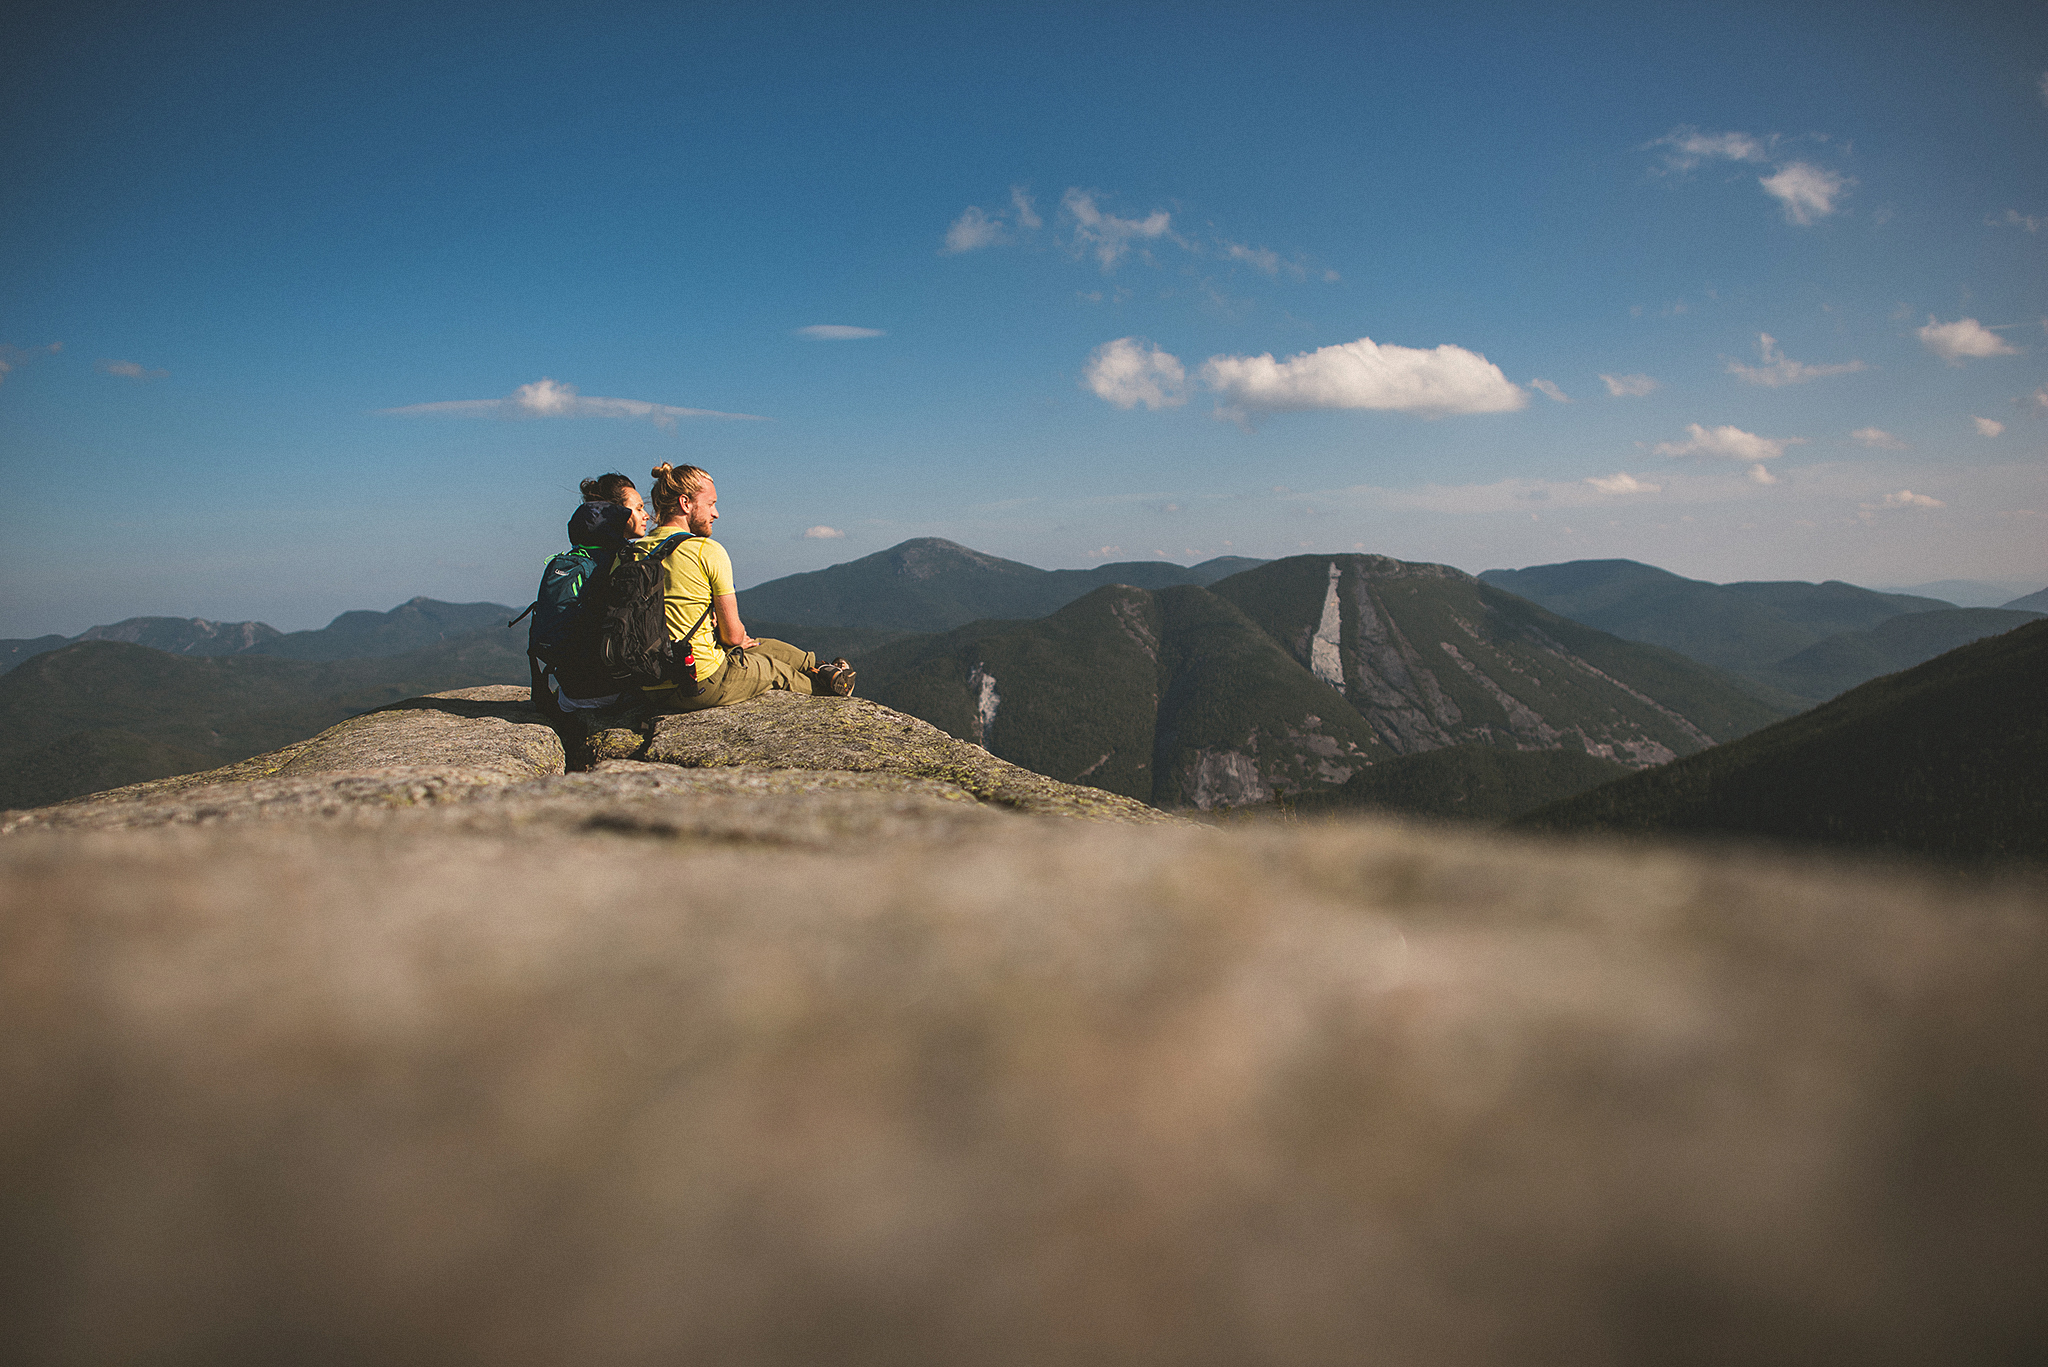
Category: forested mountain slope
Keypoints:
(1948, 758)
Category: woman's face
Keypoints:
(636, 512)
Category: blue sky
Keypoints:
(312, 308)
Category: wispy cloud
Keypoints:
(2015, 219)
(1905, 498)
(1877, 439)
(1258, 258)
(128, 370)
(1730, 443)
(1549, 391)
(1989, 427)
(1087, 230)
(13, 357)
(1027, 215)
(1964, 339)
(1779, 369)
(1622, 482)
(1365, 374)
(1807, 193)
(1105, 235)
(1130, 371)
(823, 533)
(838, 332)
(546, 398)
(973, 230)
(1629, 386)
(1686, 147)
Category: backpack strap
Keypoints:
(700, 622)
(522, 616)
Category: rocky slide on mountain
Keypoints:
(799, 1032)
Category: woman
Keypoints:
(731, 665)
(613, 488)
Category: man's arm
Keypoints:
(726, 608)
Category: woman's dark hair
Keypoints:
(607, 488)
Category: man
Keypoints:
(731, 664)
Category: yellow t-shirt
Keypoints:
(697, 571)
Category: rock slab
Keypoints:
(404, 1045)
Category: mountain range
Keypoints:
(1949, 758)
(1799, 642)
(1296, 675)
(412, 625)
(1317, 681)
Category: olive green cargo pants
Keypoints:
(764, 665)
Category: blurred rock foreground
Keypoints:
(404, 1045)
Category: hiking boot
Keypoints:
(834, 677)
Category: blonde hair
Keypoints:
(673, 485)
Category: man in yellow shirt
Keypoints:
(731, 665)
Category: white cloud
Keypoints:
(1364, 374)
(1549, 391)
(1906, 498)
(1726, 443)
(1258, 258)
(1622, 482)
(1108, 236)
(1807, 192)
(2041, 397)
(1027, 216)
(1989, 427)
(1878, 439)
(1689, 147)
(128, 370)
(822, 533)
(1731, 443)
(2015, 219)
(1779, 369)
(546, 398)
(1128, 372)
(1629, 386)
(1964, 339)
(977, 228)
(973, 229)
(838, 332)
